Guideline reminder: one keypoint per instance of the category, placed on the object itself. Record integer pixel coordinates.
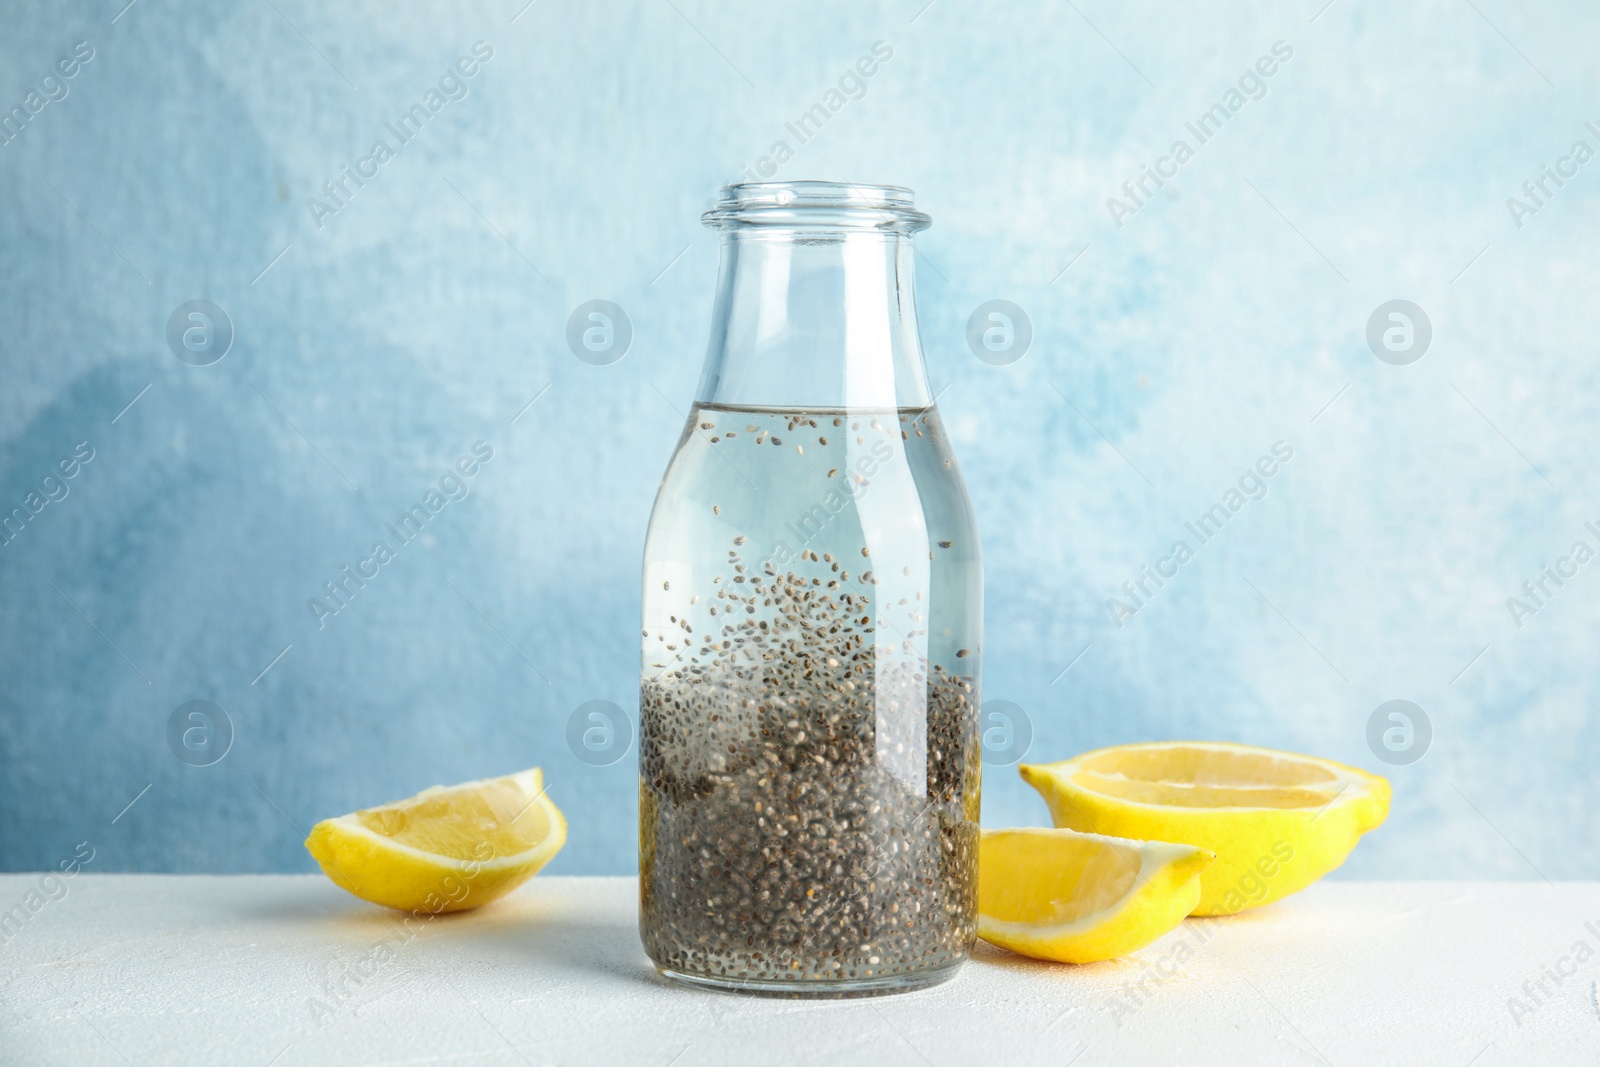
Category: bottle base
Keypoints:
(819, 989)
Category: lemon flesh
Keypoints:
(1082, 898)
(1278, 821)
(449, 848)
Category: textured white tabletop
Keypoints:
(144, 969)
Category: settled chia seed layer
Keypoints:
(808, 795)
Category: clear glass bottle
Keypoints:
(813, 601)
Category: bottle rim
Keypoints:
(816, 205)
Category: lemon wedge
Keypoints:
(449, 848)
(1082, 898)
(1277, 821)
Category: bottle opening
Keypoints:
(813, 205)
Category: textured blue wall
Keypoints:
(1178, 335)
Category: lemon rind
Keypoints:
(1352, 783)
(348, 825)
(1155, 857)
(531, 781)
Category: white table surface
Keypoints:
(146, 969)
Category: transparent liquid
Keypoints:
(808, 709)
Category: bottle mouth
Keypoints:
(812, 205)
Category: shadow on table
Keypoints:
(569, 936)
(577, 935)
(985, 954)
(556, 932)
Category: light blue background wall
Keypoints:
(1228, 313)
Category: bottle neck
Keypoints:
(815, 320)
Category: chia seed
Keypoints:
(808, 799)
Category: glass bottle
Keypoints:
(813, 600)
